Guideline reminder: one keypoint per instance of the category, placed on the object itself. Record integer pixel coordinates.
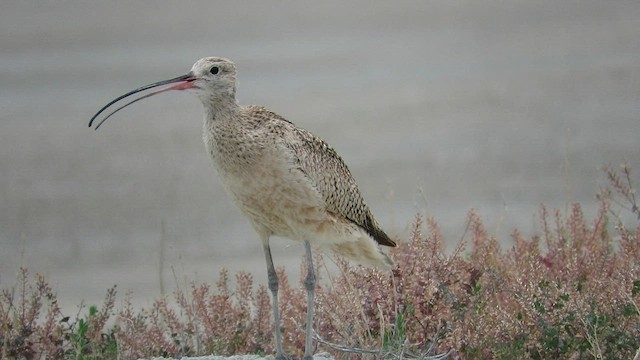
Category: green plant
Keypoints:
(78, 337)
(86, 338)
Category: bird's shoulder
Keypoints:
(261, 117)
(294, 137)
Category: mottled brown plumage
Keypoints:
(327, 171)
(287, 181)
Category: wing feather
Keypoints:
(332, 178)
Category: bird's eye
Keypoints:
(214, 70)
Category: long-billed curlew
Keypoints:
(288, 182)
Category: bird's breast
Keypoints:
(267, 186)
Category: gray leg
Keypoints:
(273, 286)
(310, 285)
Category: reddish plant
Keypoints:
(572, 292)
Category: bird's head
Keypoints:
(214, 77)
(210, 79)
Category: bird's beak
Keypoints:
(183, 82)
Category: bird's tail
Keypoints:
(364, 250)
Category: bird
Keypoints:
(288, 182)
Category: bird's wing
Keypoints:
(332, 178)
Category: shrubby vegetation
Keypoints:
(571, 292)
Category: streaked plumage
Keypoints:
(287, 181)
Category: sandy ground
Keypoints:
(437, 106)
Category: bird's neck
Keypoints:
(220, 107)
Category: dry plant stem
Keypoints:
(343, 348)
(630, 193)
(347, 280)
(381, 353)
(624, 188)
(592, 337)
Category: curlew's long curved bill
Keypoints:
(183, 82)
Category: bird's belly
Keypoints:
(276, 199)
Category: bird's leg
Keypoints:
(273, 286)
(310, 285)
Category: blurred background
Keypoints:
(438, 107)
